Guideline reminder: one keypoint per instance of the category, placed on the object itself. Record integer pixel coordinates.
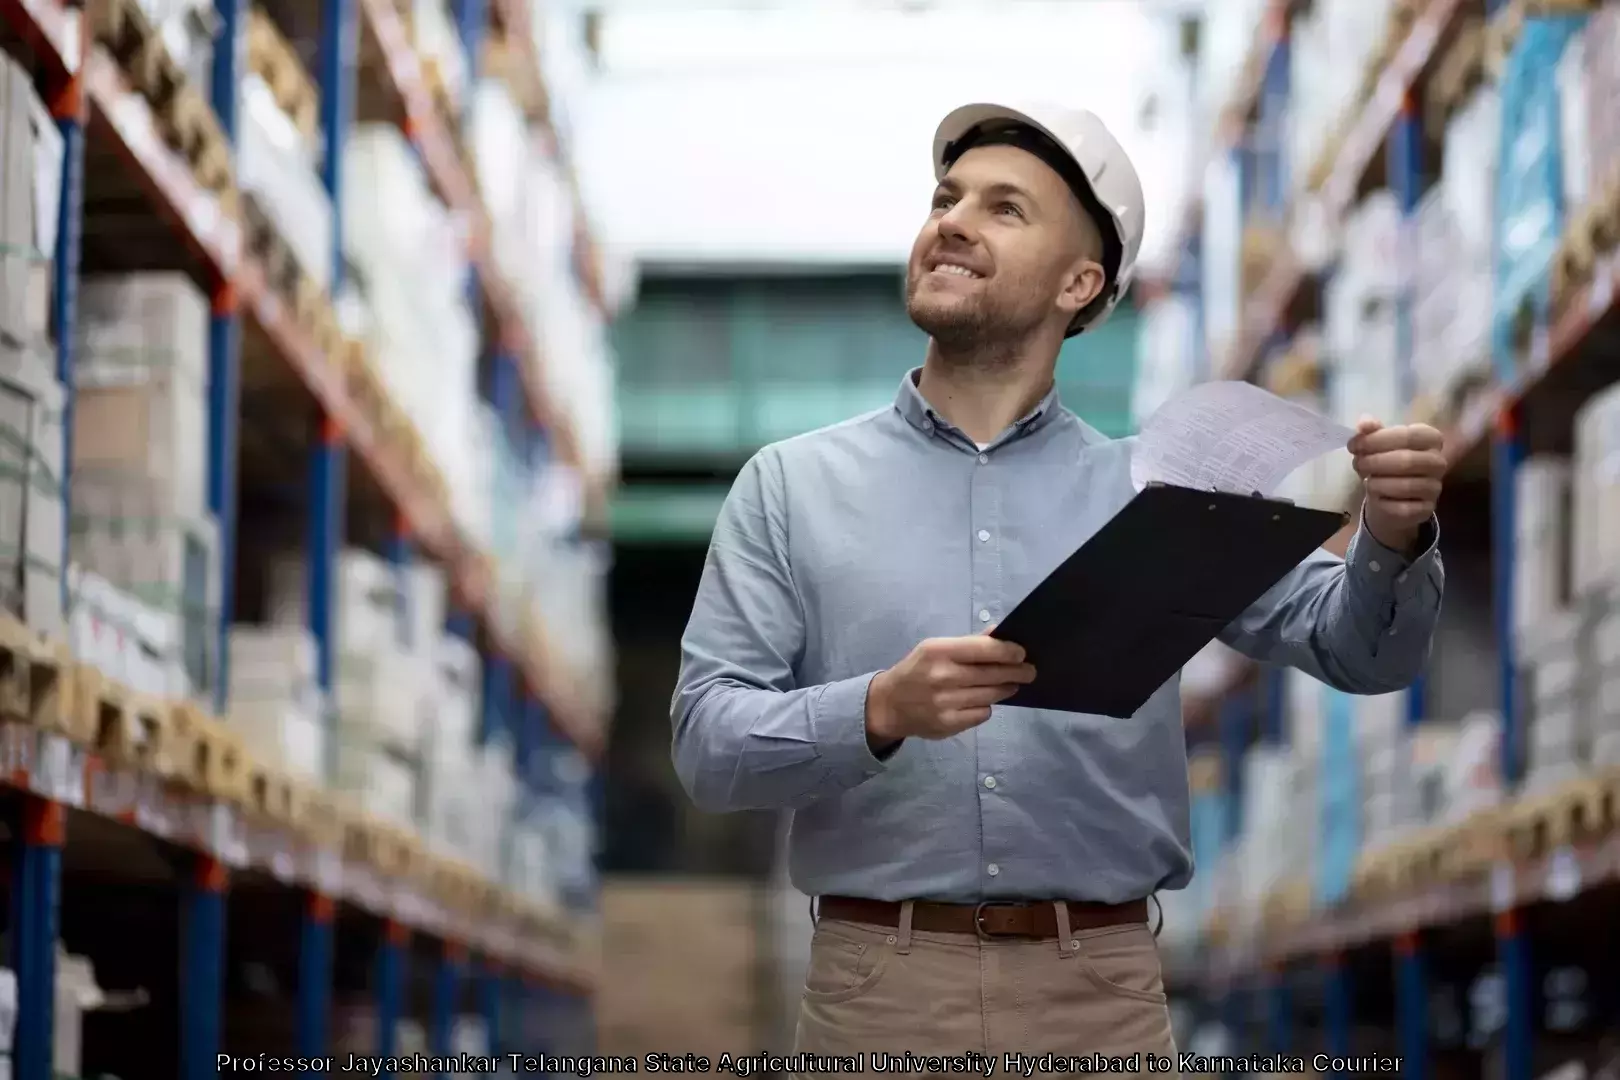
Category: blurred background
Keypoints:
(371, 376)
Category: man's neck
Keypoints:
(982, 396)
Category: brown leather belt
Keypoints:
(1035, 921)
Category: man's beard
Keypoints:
(972, 330)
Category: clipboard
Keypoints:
(1150, 589)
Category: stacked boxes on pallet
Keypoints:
(381, 705)
(1360, 329)
(1596, 563)
(1529, 194)
(140, 515)
(31, 435)
(275, 699)
(276, 170)
(30, 192)
(1602, 85)
(1452, 291)
(410, 257)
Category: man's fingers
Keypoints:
(1400, 488)
(957, 720)
(980, 649)
(1406, 437)
(976, 697)
(1401, 462)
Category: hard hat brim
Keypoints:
(962, 120)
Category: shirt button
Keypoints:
(990, 782)
(1401, 577)
(992, 869)
(984, 614)
(928, 425)
(984, 459)
(984, 535)
(1373, 566)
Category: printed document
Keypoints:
(1232, 437)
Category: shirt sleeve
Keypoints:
(746, 736)
(1363, 624)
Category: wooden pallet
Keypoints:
(271, 794)
(272, 58)
(105, 711)
(36, 682)
(1580, 810)
(133, 731)
(1502, 34)
(1290, 904)
(1322, 168)
(308, 302)
(1459, 73)
(121, 27)
(215, 763)
(321, 818)
(382, 847)
(1470, 848)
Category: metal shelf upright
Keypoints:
(1403, 159)
(42, 827)
(202, 967)
(1412, 1005)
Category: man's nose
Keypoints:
(957, 224)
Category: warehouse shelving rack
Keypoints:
(324, 917)
(1501, 899)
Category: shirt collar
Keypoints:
(911, 405)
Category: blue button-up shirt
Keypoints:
(838, 551)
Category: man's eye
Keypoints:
(943, 202)
(1009, 208)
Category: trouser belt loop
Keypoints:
(815, 916)
(903, 934)
(1065, 936)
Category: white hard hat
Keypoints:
(1106, 181)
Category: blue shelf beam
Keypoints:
(326, 503)
(35, 898)
(506, 395)
(224, 414)
(316, 956)
(472, 23)
(1339, 1006)
(338, 66)
(1279, 1013)
(1513, 950)
(489, 1005)
(1412, 1006)
(390, 989)
(1403, 159)
(69, 110)
(202, 969)
(400, 554)
(1507, 454)
(497, 710)
(446, 1000)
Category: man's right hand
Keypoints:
(944, 686)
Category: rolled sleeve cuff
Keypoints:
(840, 732)
(1387, 584)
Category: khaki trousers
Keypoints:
(886, 990)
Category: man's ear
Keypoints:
(1083, 284)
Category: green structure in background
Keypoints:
(713, 367)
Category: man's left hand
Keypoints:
(1401, 469)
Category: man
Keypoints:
(983, 871)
